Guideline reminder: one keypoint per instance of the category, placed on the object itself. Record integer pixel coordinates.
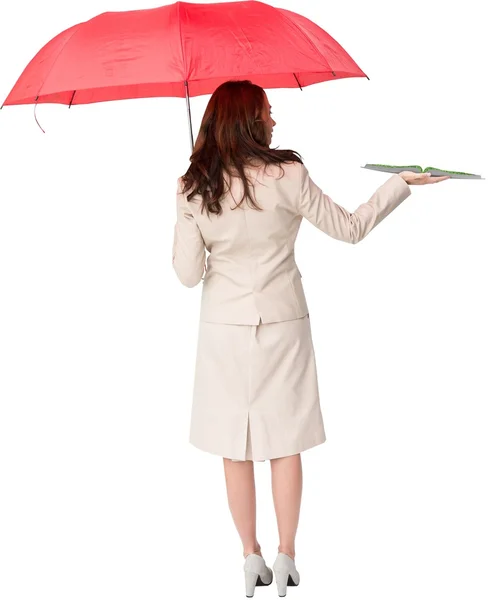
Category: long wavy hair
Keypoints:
(232, 135)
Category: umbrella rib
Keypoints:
(58, 56)
(178, 6)
(285, 16)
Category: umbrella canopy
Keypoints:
(182, 50)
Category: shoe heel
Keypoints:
(250, 583)
(281, 582)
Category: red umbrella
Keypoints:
(181, 50)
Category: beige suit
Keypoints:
(256, 391)
(252, 274)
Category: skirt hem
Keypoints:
(302, 448)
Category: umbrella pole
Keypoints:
(189, 116)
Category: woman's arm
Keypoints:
(339, 223)
(188, 244)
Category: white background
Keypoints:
(102, 496)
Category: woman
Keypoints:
(255, 391)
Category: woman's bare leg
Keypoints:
(287, 483)
(240, 486)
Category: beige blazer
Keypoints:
(251, 274)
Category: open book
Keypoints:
(417, 169)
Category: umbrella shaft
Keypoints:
(189, 115)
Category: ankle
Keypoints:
(286, 550)
(254, 550)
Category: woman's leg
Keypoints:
(287, 483)
(240, 486)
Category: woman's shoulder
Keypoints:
(292, 164)
(284, 175)
(291, 167)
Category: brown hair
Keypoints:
(232, 135)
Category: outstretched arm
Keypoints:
(188, 244)
(339, 223)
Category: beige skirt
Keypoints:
(255, 394)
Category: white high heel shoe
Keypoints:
(286, 573)
(256, 573)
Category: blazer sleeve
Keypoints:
(188, 244)
(341, 224)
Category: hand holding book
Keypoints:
(421, 178)
(434, 172)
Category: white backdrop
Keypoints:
(102, 496)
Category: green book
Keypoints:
(417, 169)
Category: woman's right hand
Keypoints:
(421, 178)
